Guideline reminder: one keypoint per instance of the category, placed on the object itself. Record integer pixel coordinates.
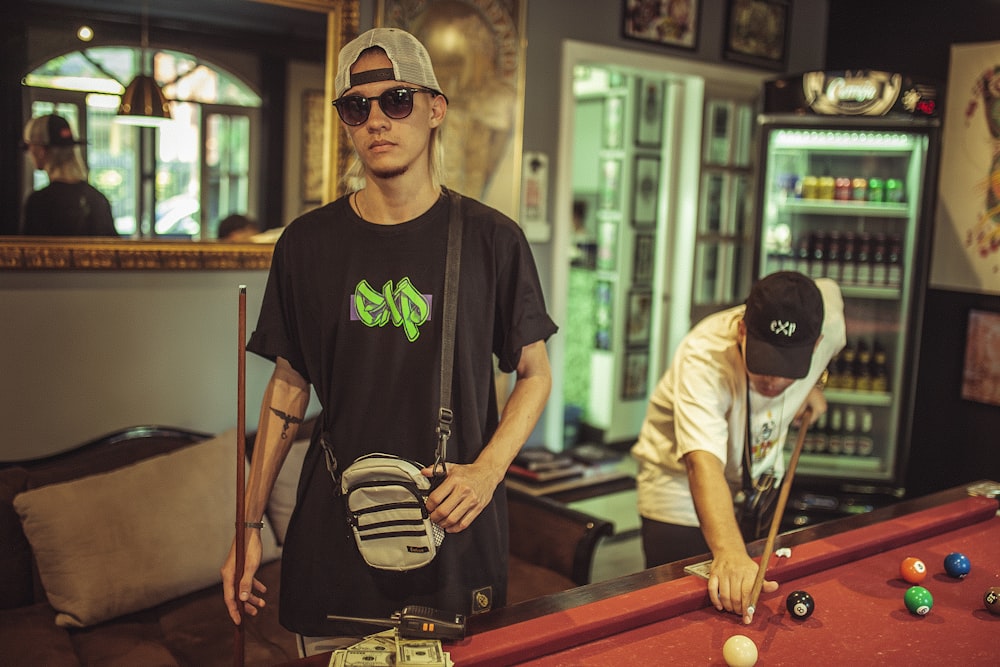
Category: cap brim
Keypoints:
(786, 362)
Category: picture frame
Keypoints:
(981, 372)
(757, 32)
(639, 317)
(649, 113)
(613, 122)
(313, 108)
(603, 314)
(643, 259)
(609, 185)
(672, 23)
(635, 375)
(645, 191)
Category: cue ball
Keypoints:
(957, 565)
(918, 600)
(740, 651)
(913, 570)
(800, 604)
(991, 599)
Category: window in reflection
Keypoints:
(175, 181)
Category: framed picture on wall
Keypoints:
(667, 22)
(643, 260)
(478, 48)
(649, 113)
(613, 122)
(757, 32)
(636, 372)
(981, 374)
(638, 317)
(645, 191)
(313, 106)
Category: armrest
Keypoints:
(550, 534)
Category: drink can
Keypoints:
(827, 186)
(894, 191)
(859, 189)
(876, 190)
(842, 189)
(808, 188)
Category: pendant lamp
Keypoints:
(144, 102)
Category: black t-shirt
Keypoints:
(356, 309)
(68, 209)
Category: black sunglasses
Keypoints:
(396, 103)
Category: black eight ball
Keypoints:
(800, 604)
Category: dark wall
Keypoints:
(953, 441)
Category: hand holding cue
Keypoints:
(779, 510)
(241, 361)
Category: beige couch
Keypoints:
(110, 553)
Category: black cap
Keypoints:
(50, 130)
(784, 319)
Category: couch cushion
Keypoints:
(129, 539)
(28, 636)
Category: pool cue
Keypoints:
(779, 510)
(241, 373)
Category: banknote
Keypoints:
(425, 652)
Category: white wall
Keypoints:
(87, 353)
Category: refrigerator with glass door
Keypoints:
(845, 191)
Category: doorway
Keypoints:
(627, 185)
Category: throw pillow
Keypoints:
(130, 539)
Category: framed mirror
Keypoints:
(75, 253)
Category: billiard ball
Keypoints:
(991, 599)
(800, 604)
(913, 570)
(739, 651)
(918, 600)
(957, 565)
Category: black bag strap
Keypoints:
(451, 272)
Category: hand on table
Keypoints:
(730, 584)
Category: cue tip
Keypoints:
(243, 289)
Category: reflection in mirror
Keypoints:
(185, 193)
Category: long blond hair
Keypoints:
(61, 162)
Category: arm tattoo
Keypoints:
(288, 419)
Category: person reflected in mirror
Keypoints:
(237, 228)
(354, 310)
(68, 205)
(743, 374)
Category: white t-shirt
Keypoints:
(700, 404)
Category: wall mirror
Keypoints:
(74, 253)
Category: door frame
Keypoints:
(678, 215)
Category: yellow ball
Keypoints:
(739, 651)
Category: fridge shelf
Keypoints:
(831, 464)
(880, 399)
(855, 208)
(864, 292)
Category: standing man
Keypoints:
(384, 246)
(743, 374)
(68, 205)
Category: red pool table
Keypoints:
(850, 566)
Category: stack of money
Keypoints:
(387, 648)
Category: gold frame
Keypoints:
(18, 253)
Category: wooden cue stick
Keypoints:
(241, 356)
(779, 510)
